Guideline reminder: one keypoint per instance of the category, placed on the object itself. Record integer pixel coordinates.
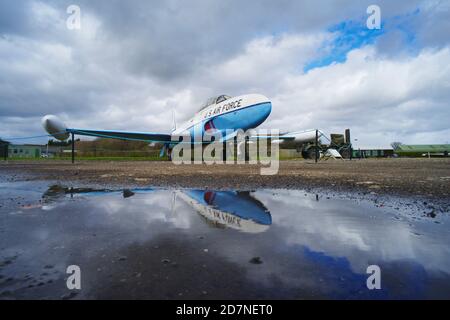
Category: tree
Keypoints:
(3, 148)
(396, 145)
(66, 143)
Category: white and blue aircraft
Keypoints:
(224, 114)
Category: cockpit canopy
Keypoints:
(214, 100)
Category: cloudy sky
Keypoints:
(133, 61)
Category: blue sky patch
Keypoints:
(353, 34)
(349, 35)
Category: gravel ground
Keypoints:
(397, 216)
(429, 178)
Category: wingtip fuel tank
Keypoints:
(54, 126)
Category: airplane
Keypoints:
(223, 113)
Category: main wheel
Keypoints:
(311, 153)
(345, 153)
(247, 150)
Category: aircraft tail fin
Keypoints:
(174, 121)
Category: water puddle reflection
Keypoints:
(205, 244)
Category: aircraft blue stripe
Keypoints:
(247, 121)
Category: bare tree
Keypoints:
(396, 145)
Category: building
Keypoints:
(361, 151)
(24, 151)
(373, 153)
(421, 150)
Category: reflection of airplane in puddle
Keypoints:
(233, 209)
(236, 210)
(56, 191)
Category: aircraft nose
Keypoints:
(261, 110)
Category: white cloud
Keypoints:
(370, 95)
(103, 76)
(44, 15)
(266, 59)
(381, 98)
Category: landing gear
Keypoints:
(346, 153)
(310, 153)
(224, 152)
(247, 149)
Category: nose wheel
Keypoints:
(224, 152)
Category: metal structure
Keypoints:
(73, 147)
(312, 144)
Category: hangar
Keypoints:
(420, 150)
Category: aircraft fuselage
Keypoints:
(240, 112)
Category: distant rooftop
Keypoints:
(423, 148)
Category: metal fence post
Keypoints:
(73, 147)
(317, 146)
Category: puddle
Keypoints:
(194, 244)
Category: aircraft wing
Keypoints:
(124, 135)
(55, 127)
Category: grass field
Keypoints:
(106, 158)
(120, 158)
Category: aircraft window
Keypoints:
(214, 100)
(222, 98)
(208, 102)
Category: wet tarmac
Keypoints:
(152, 243)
